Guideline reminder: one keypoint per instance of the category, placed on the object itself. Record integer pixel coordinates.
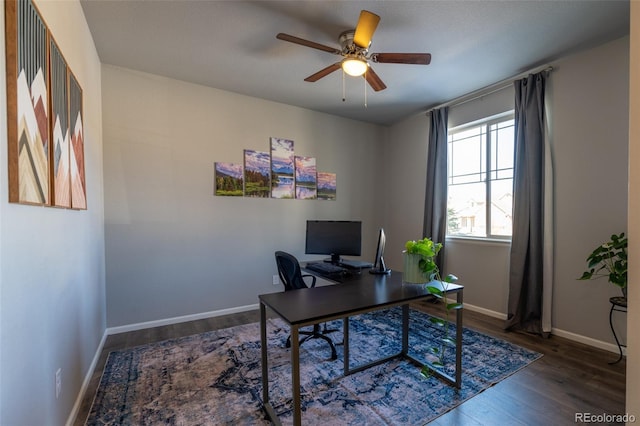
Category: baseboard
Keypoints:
(85, 384)
(177, 320)
(484, 311)
(610, 347)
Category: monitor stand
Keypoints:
(334, 259)
(382, 270)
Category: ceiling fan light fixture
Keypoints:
(354, 67)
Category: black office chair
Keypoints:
(292, 278)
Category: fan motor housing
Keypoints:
(347, 44)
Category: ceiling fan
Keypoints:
(355, 52)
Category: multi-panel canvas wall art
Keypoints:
(275, 174)
(282, 179)
(306, 175)
(326, 186)
(44, 115)
(257, 174)
(27, 103)
(229, 180)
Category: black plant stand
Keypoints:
(618, 304)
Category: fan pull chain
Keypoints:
(365, 88)
(344, 96)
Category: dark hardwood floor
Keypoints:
(570, 378)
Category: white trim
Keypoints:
(85, 384)
(454, 239)
(610, 347)
(177, 320)
(484, 311)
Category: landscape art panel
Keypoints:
(27, 103)
(282, 168)
(228, 179)
(326, 186)
(76, 154)
(257, 174)
(306, 178)
(61, 182)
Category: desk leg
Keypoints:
(271, 414)
(263, 350)
(459, 341)
(345, 344)
(295, 375)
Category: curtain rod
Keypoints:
(487, 90)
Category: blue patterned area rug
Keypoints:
(214, 378)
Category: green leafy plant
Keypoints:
(428, 250)
(609, 260)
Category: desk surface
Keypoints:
(359, 293)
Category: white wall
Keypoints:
(633, 316)
(52, 304)
(588, 101)
(173, 248)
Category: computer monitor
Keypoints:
(378, 265)
(335, 238)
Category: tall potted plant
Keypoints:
(609, 260)
(420, 267)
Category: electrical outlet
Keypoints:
(58, 382)
(276, 280)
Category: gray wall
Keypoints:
(52, 287)
(588, 106)
(173, 248)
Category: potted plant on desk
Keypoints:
(420, 268)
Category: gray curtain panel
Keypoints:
(527, 242)
(435, 205)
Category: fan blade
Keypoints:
(374, 81)
(367, 24)
(402, 58)
(307, 43)
(323, 72)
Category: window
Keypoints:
(480, 179)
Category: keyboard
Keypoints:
(325, 268)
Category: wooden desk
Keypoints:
(360, 294)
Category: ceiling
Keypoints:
(232, 45)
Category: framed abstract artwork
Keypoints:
(60, 177)
(45, 135)
(229, 179)
(306, 178)
(282, 167)
(257, 174)
(27, 50)
(76, 146)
